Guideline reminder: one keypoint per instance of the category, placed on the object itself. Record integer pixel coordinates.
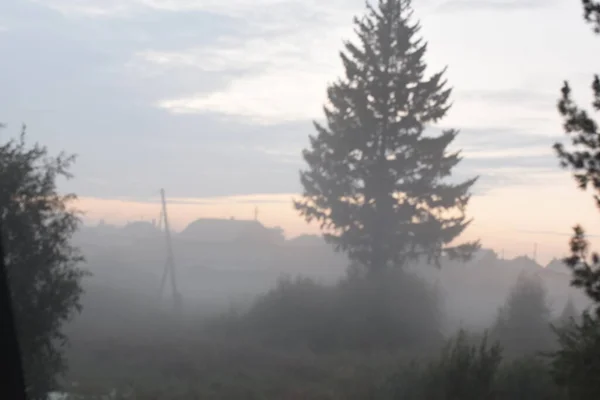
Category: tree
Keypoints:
(577, 363)
(44, 279)
(375, 182)
(584, 159)
(568, 314)
(523, 323)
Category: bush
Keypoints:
(527, 378)
(465, 371)
(297, 312)
(462, 372)
(576, 366)
(391, 311)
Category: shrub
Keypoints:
(391, 311)
(527, 378)
(576, 365)
(467, 371)
(297, 312)
(462, 372)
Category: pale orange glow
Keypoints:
(273, 210)
(509, 219)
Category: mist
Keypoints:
(361, 201)
(231, 273)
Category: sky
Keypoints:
(213, 101)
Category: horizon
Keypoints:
(495, 232)
(318, 234)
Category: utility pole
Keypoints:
(534, 251)
(169, 270)
(256, 213)
(160, 219)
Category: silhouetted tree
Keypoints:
(568, 314)
(375, 181)
(584, 159)
(41, 264)
(523, 323)
(592, 13)
(577, 364)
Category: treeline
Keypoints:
(396, 310)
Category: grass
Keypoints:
(303, 340)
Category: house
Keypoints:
(231, 230)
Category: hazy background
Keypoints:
(213, 100)
(178, 94)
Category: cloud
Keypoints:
(511, 153)
(276, 54)
(527, 110)
(182, 93)
(502, 147)
(284, 79)
(517, 97)
(283, 155)
(269, 99)
(271, 12)
(492, 5)
(505, 157)
(276, 64)
(87, 8)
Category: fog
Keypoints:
(225, 268)
(238, 104)
(228, 262)
(225, 264)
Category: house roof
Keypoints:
(220, 230)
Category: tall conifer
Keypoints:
(375, 180)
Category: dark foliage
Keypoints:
(569, 314)
(591, 10)
(189, 367)
(523, 323)
(462, 372)
(41, 264)
(576, 366)
(295, 313)
(586, 270)
(584, 159)
(473, 371)
(375, 182)
(391, 311)
(526, 378)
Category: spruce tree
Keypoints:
(375, 181)
(523, 323)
